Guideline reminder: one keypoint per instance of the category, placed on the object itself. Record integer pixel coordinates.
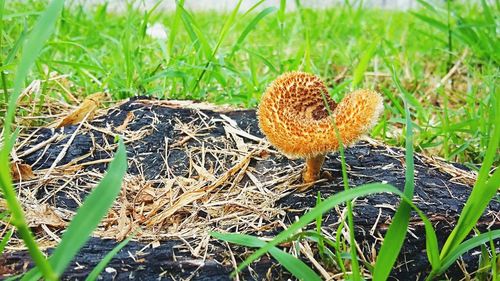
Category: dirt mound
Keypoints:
(195, 168)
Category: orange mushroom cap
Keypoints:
(293, 116)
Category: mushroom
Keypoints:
(293, 115)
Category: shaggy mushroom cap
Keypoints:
(294, 117)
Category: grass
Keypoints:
(41, 32)
(224, 58)
(96, 204)
(231, 58)
(395, 236)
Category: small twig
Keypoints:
(372, 230)
(38, 146)
(68, 92)
(307, 251)
(233, 262)
(65, 148)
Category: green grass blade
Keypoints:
(225, 28)
(488, 15)
(2, 10)
(2, 73)
(94, 274)
(319, 220)
(255, 6)
(494, 259)
(264, 60)
(432, 22)
(294, 265)
(211, 53)
(251, 25)
(396, 233)
(320, 209)
(427, 5)
(484, 189)
(359, 71)
(494, 141)
(174, 29)
(338, 251)
(396, 106)
(467, 246)
(198, 38)
(350, 218)
(42, 30)
(394, 238)
(282, 10)
(88, 216)
(331, 202)
(200, 43)
(409, 98)
(6, 240)
(474, 208)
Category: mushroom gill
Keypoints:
(293, 115)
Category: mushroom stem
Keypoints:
(313, 166)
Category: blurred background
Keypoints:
(440, 57)
(224, 5)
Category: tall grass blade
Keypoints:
(294, 265)
(251, 25)
(474, 208)
(493, 261)
(408, 97)
(174, 29)
(255, 6)
(2, 73)
(197, 37)
(427, 5)
(467, 246)
(478, 34)
(432, 22)
(359, 71)
(281, 12)
(88, 216)
(319, 220)
(42, 30)
(16, 46)
(227, 25)
(394, 238)
(484, 189)
(223, 33)
(200, 43)
(331, 202)
(2, 10)
(281, 25)
(264, 60)
(6, 240)
(350, 218)
(488, 15)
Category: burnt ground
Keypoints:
(195, 168)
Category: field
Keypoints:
(437, 69)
